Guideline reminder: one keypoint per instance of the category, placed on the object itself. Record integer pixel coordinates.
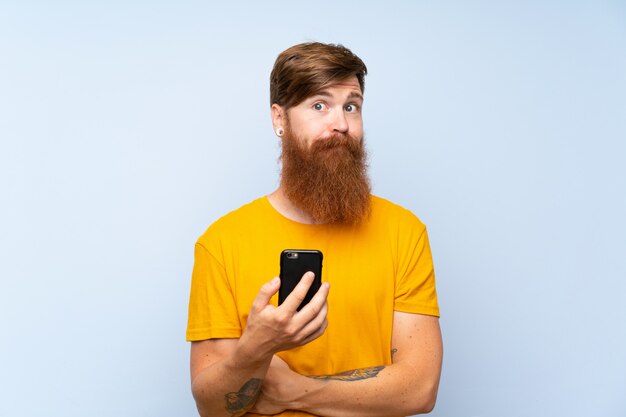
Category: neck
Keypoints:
(284, 206)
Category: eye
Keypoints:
(319, 106)
(352, 108)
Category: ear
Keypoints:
(278, 117)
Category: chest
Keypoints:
(360, 269)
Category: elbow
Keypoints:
(199, 395)
(197, 391)
(424, 401)
(427, 406)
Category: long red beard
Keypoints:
(329, 179)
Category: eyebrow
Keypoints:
(353, 94)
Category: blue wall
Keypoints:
(126, 128)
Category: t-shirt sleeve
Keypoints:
(212, 308)
(415, 283)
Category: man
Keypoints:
(368, 343)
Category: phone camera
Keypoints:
(292, 255)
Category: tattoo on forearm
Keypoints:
(353, 375)
(238, 403)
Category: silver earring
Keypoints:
(280, 132)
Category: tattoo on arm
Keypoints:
(238, 403)
(393, 352)
(353, 375)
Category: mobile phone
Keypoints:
(294, 263)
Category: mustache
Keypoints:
(337, 140)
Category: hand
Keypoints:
(273, 329)
(280, 387)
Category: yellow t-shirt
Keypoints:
(382, 265)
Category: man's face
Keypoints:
(324, 168)
(334, 110)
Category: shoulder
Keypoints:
(234, 221)
(387, 211)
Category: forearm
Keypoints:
(395, 390)
(230, 386)
(227, 374)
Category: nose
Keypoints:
(339, 123)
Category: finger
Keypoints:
(315, 324)
(311, 310)
(293, 301)
(265, 294)
(316, 334)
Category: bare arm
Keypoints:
(240, 377)
(408, 386)
(227, 374)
